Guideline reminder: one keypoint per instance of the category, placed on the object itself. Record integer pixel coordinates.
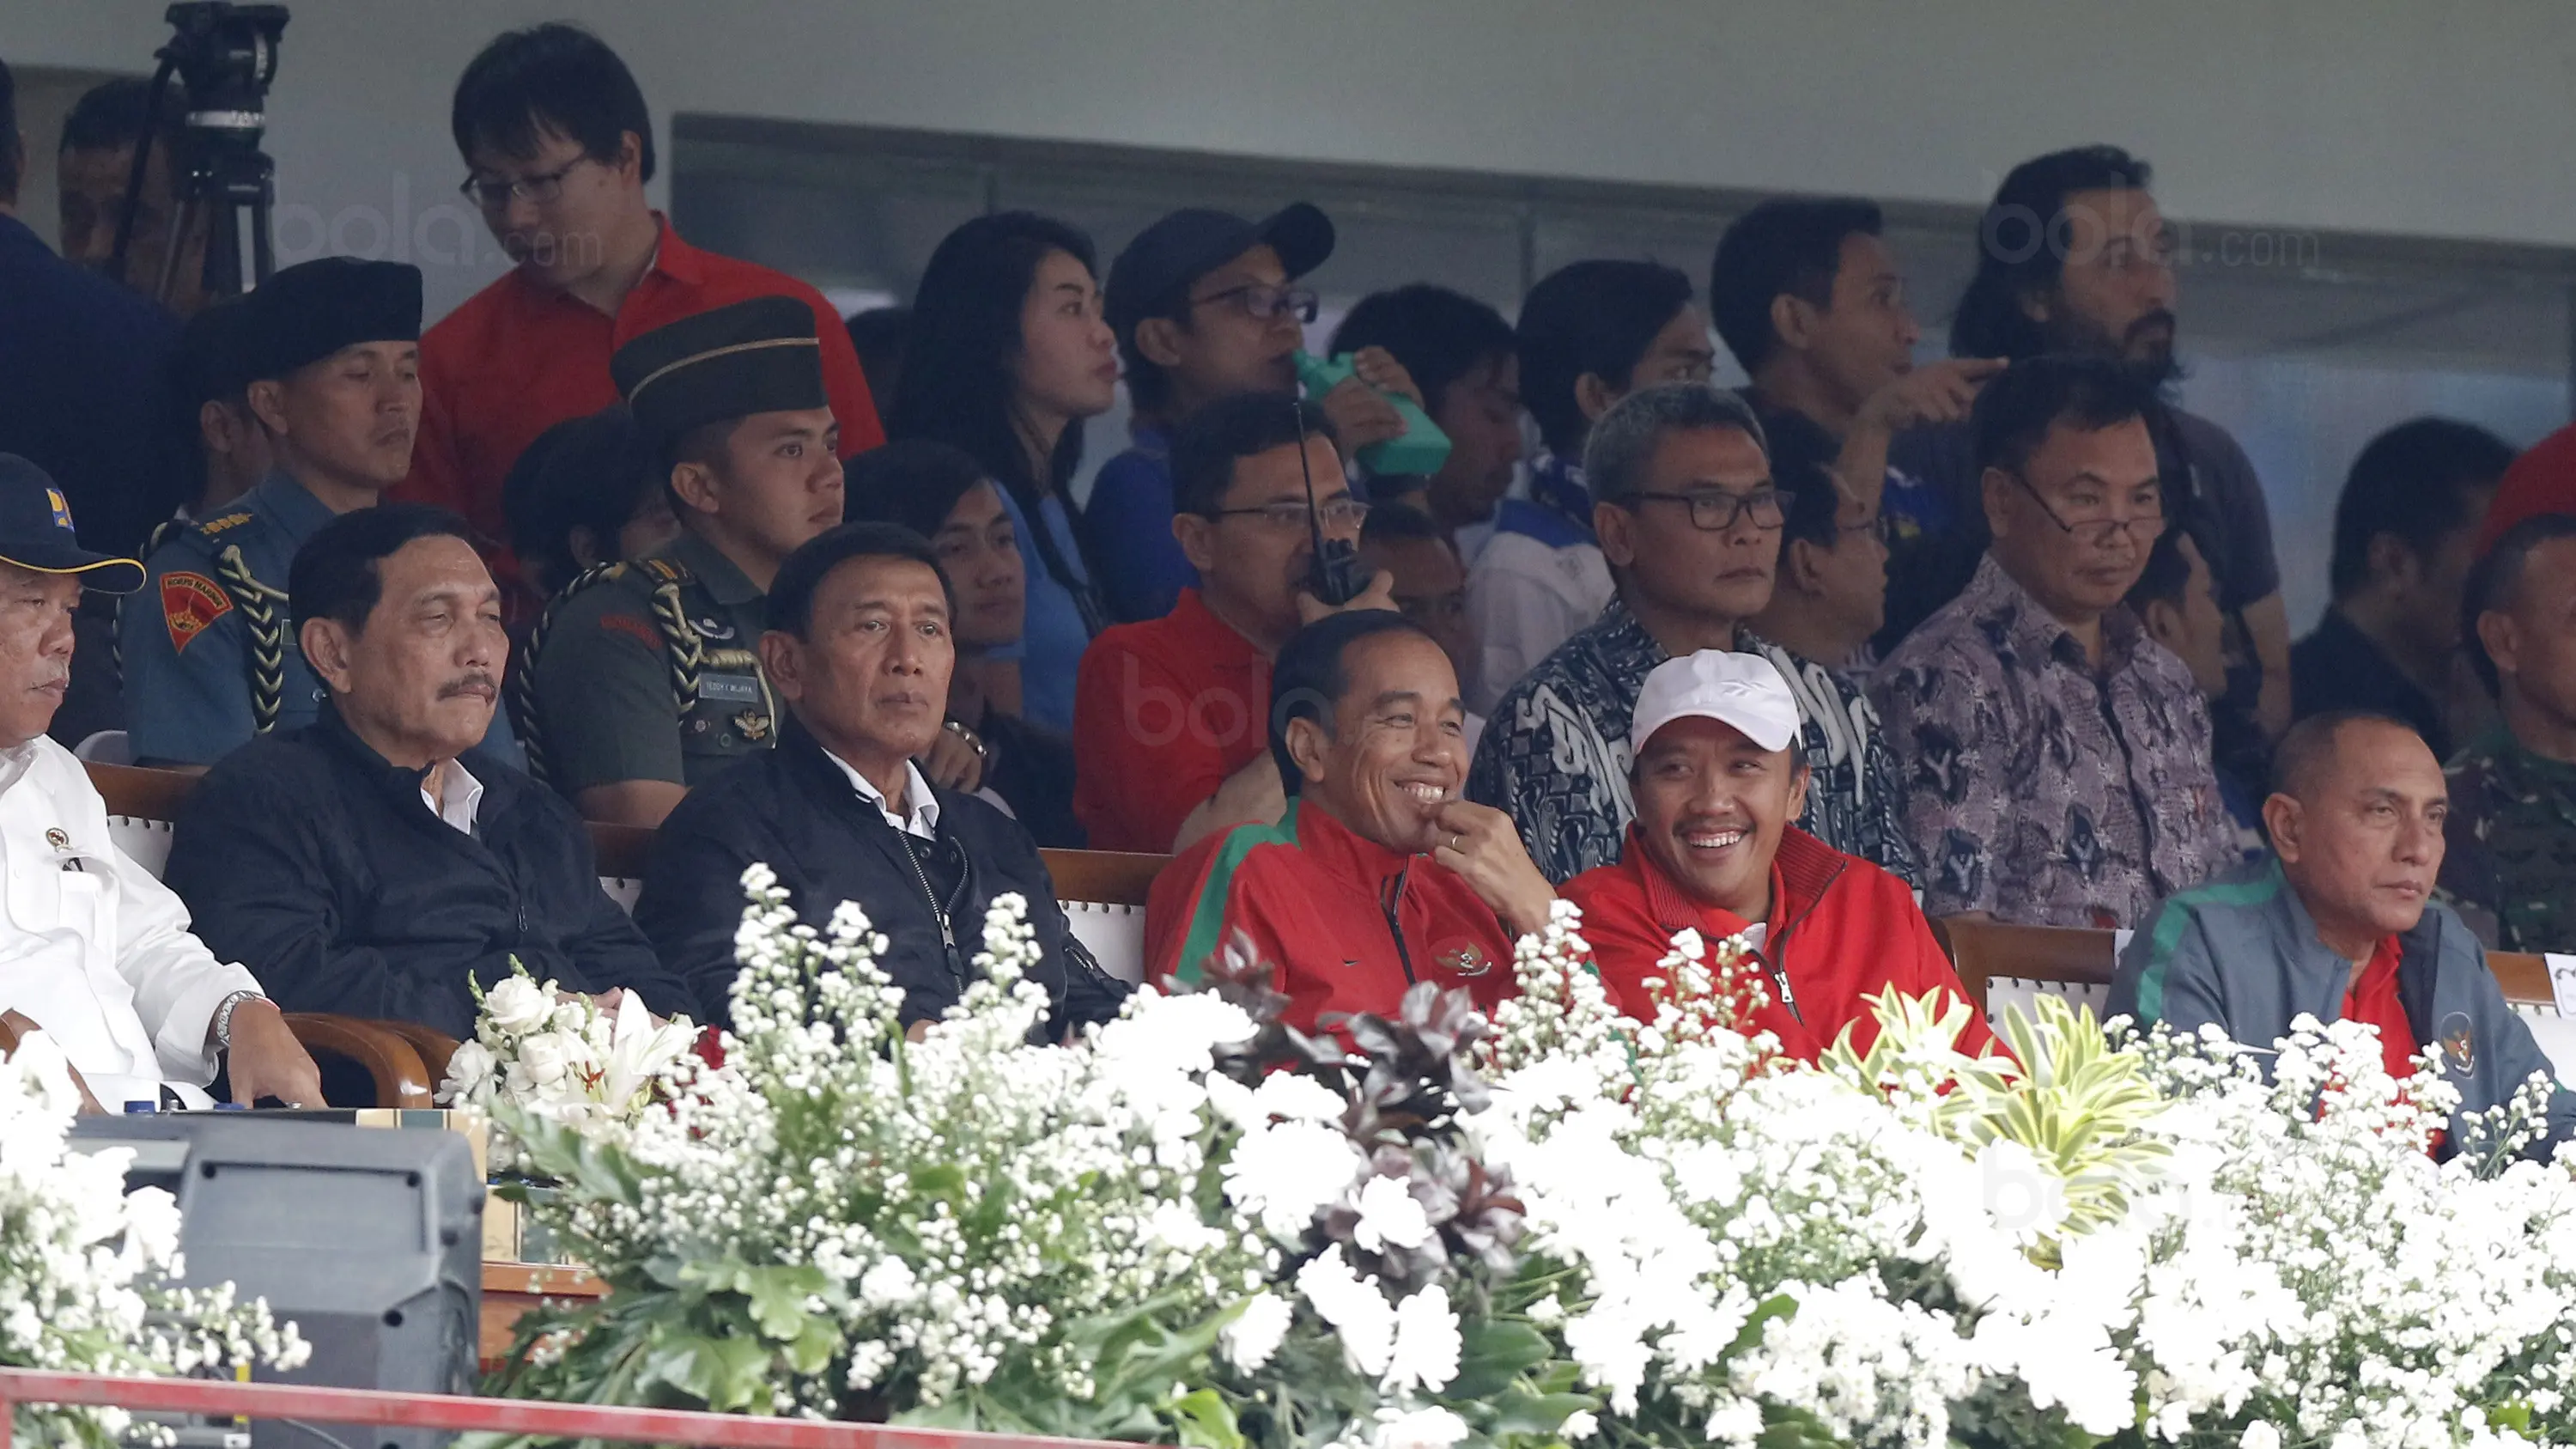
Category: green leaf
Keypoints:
(1205, 1421)
(729, 1375)
(778, 1298)
(1519, 1412)
(1491, 1354)
(814, 1348)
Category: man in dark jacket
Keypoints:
(2340, 924)
(362, 864)
(859, 648)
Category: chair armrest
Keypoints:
(388, 1060)
(434, 1046)
(8, 1040)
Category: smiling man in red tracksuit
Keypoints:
(1716, 784)
(1379, 875)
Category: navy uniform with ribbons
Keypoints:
(208, 648)
(647, 669)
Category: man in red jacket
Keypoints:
(1380, 874)
(557, 147)
(1717, 780)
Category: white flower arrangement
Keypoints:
(83, 1264)
(562, 1057)
(1197, 1225)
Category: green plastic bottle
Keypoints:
(1418, 451)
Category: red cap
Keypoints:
(2542, 480)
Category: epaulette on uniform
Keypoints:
(682, 647)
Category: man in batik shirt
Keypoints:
(2057, 760)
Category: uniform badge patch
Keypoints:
(190, 604)
(1462, 958)
(753, 724)
(62, 509)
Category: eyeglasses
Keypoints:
(1281, 517)
(541, 188)
(1876, 526)
(2097, 531)
(1714, 510)
(1264, 303)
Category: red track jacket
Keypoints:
(1348, 923)
(1841, 930)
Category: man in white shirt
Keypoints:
(94, 951)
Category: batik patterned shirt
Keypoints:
(2510, 869)
(1555, 752)
(2039, 788)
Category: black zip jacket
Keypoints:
(309, 859)
(794, 809)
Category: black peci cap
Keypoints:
(1166, 257)
(313, 309)
(217, 355)
(759, 356)
(36, 532)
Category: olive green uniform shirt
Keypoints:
(2509, 863)
(602, 678)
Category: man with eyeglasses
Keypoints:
(1830, 593)
(558, 146)
(1171, 716)
(1689, 519)
(1204, 306)
(2058, 760)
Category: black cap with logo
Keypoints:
(36, 532)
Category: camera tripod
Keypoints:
(225, 56)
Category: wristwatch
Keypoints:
(973, 741)
(224, 1017)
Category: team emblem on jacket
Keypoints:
(190, 604)
(58, 838)
(1464, 958)
(2459, 1045)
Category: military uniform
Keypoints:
(209, 646)
(2510, 864)
(646, 671)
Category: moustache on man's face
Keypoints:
(477, 682)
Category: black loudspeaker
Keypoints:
(368, 1239)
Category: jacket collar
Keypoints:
(721, 577)
(289, 505)
(1339, 850)
(1802, 870)
(401, 783)
(814, 768)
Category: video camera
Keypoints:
(224, 56)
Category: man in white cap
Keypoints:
(1717, 780)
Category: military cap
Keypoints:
(313, 309)
(759, 356)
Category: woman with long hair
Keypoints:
(1008, 355)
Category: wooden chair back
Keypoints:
(1988, 951)
(2525, 979)
(346, 1047)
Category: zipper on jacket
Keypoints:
(938, 912)
(1389, 901)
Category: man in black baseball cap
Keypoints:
(1203, 304)
(140, 1008)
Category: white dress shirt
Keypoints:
(459, 797)
(92, 947)
(921, 820)
(1523, 599)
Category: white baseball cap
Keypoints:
(1743, 690)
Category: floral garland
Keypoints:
(82, 1265)
(1557, 1227)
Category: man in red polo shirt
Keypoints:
(558, 147)
(1717, 779)
(1168, 732)
(1380, 874)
